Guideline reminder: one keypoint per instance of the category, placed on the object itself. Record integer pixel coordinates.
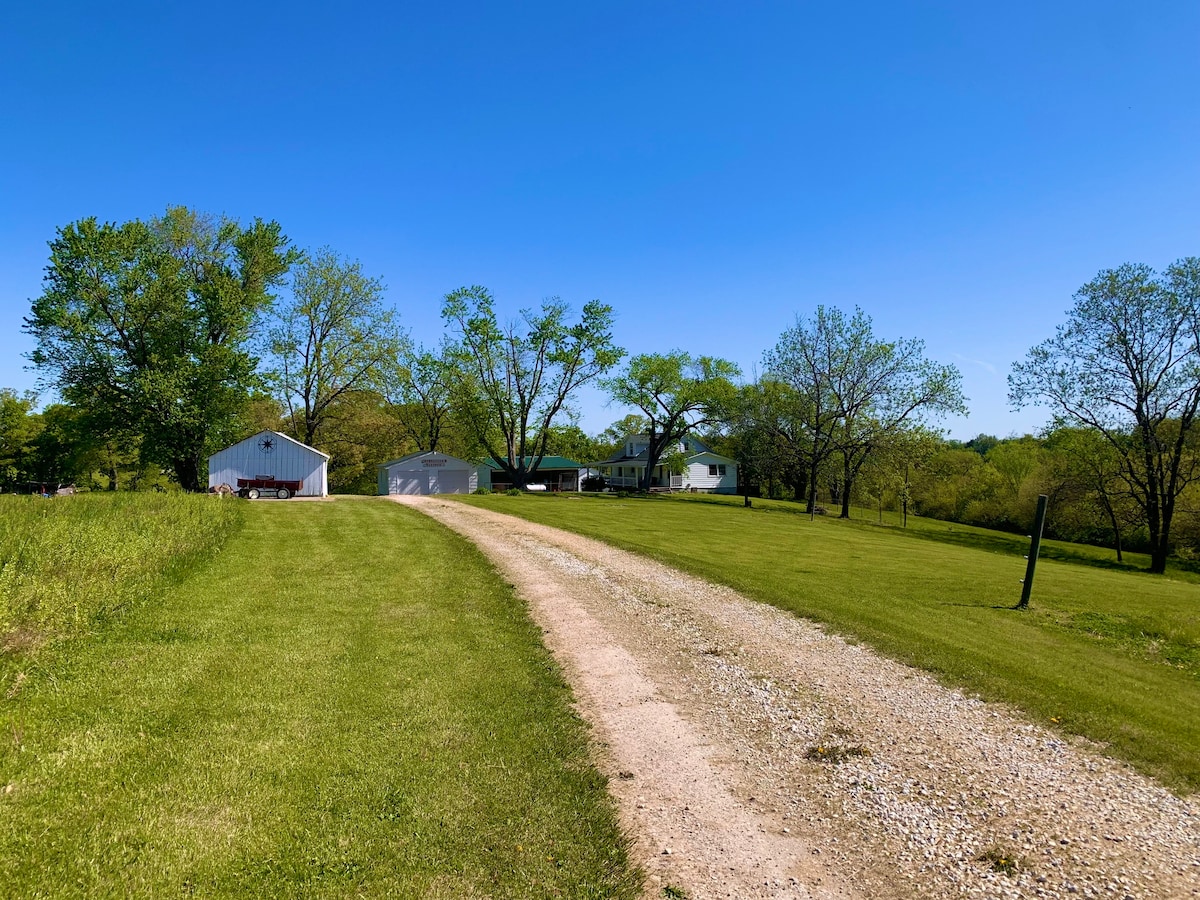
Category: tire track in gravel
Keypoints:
(709, 708)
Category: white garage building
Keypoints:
(270, 454)
(431, 473)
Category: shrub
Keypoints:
(514, 492)
(483, 490)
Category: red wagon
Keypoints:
(267, 486)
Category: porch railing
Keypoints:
(621, 481)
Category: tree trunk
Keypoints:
(647, 478)
(1112, 521)
(1158, 559)
(799, 486)
(187, 472)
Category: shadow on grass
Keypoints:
(1012, 607)
(941, 532)
(1016, 545)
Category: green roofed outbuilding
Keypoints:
(555, 473)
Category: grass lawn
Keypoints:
(346, 702)
(1111, 655)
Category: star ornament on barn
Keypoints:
(267, 445)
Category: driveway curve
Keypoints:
(753, 755)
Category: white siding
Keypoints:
(698, 477)
(281, 458)
(428, 473)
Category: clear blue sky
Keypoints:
(711, 170)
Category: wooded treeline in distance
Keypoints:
(169, 338)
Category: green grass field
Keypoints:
(68, 563)
(1108, 654)
(346, 702)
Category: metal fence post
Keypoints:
(1035, 544)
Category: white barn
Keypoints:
(270, 454)
(431, 473)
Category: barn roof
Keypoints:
(281, 436)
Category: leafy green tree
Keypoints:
(807, 412)
(885, 475)
(1126, 364)
(144, 327)
(571, 442)
(613, 437)
(65, 450)
(854, 393)
(515, 380)
(20, 428)
(422, 395)
(877, 388)
(1017, 462)
(951, 482)
(761, 434)
(982, 443)
(675, 394)
(1091, 472)
(360, 432)
(334, 336)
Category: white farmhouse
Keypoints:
(429, 472)
(271, 455)
(705, 472)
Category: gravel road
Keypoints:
(753, 755)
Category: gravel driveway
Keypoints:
(753, 755)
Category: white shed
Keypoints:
(270, 454)
(429, 473)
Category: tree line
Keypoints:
(169, 338)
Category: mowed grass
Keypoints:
(347, 702)
(1111, 655)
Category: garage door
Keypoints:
(408, 483)
(449, 482)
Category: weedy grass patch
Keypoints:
(1111, 655)
(347, 702)
(69, 562)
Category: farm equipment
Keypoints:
(267, 486)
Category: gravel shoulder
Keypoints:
(753, 755)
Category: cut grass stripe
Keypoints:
(347, 702)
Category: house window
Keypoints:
(716, 471)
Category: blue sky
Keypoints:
(711, 170)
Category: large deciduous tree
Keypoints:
(804, 409)
(422, 396)
(334, 336)
(20, 427)
(144, 326)
(1126, 364)
(675, 394)
(515, 379)
(859, 392)
(882, 389)
(855, 394)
